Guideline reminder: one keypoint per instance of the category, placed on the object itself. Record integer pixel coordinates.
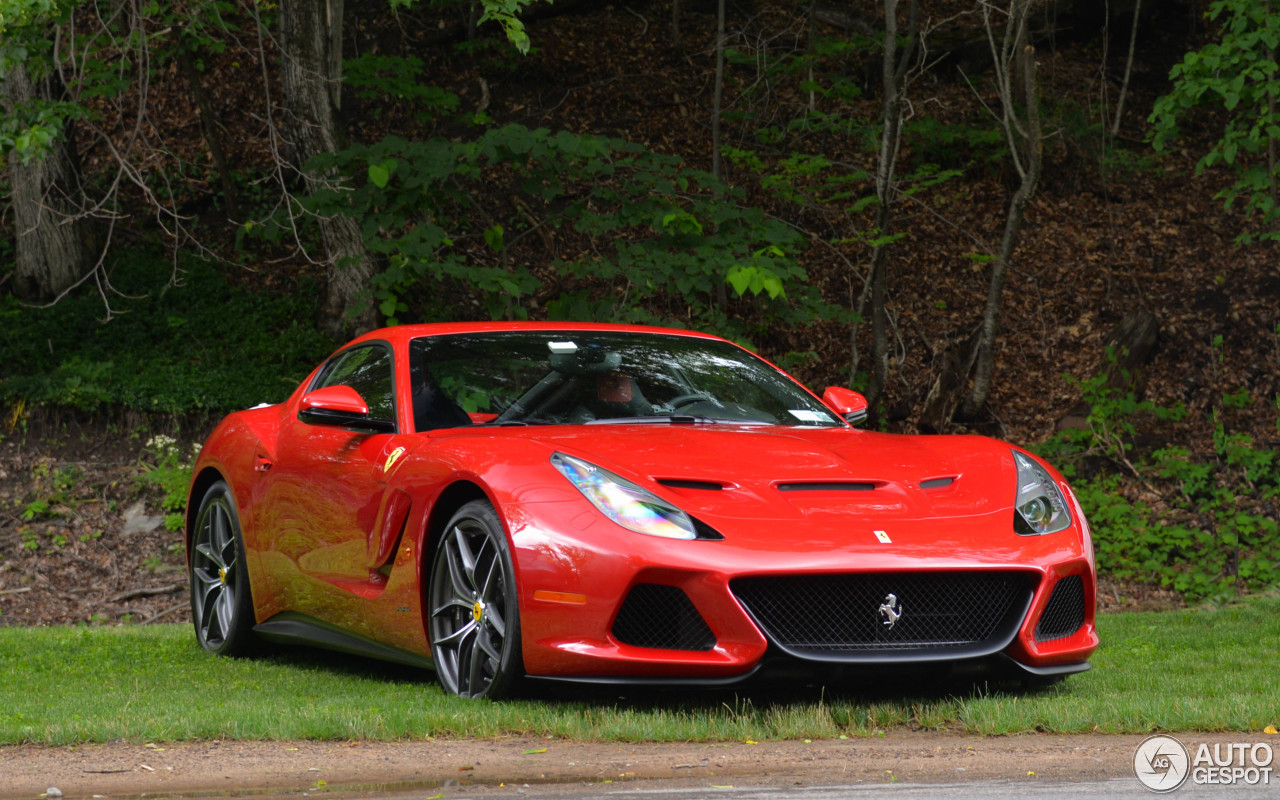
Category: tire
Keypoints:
(221, 603)
(474, 614)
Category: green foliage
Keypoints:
(1239, 74)
(56, 495)
(1218, 536)
(642, 231)
(504, 12)
(168, 470)
(954, 146)
(381, 78)
(27, 129)
(1111, 423)
(204, 346)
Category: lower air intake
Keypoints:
(888, 615)
(1064, 613)
(654, 615)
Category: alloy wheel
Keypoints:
(472, 636)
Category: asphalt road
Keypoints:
(663, 790)
(981, 790)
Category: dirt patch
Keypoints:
(119, 769)
(82, 537)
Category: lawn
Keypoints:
(1208, 669)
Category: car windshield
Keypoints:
(593, 377)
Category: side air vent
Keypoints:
(936, 483)
(839, 486)
(654, 615)
(1064, 613)
(680, 483)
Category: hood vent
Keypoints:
(936, 483)
(839, 486)
(680, 483)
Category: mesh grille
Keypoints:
(660, 616)
(833, 614)
(1064, 613)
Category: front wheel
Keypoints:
(474, 613)
(221, 604)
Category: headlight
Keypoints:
(625, 503)
(1039, 506)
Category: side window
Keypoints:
(366, 369)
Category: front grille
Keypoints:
(938, 613)
(1064, 613)
(654, 615)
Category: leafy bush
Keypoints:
(203, 346)
(169, 470)
(1240, 74)
(1203, 526)
(625, 234)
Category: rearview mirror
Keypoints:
(847, 403)
(341, 407)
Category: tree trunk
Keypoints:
(894, 74)
(676, 41)
(53, 238)
(986, 351)
(209, 126)
(1271, 137)
(955, 362)
(719, 91)
(1015, 57)
(310, 76)
(1128, 68)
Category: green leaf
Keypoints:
(380, 174)
(493, 236)
(740, 279)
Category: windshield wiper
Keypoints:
(675, 419)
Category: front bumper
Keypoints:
(565, 550)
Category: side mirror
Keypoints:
(846, 402)
(341, 407)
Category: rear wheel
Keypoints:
(221, 604)
(474, 614)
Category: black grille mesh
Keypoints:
(841, 613)
(660, 616)
(1064, 613)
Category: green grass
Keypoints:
(1205, 669)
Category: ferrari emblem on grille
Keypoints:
(890, 611)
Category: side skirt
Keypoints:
(290, 627)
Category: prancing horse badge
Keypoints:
(890, 611)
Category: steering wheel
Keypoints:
(685, 399)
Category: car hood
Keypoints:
(780, 472)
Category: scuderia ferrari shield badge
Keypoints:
(392, 459)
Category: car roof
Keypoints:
(401, 333)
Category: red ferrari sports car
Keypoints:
(502, 502)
